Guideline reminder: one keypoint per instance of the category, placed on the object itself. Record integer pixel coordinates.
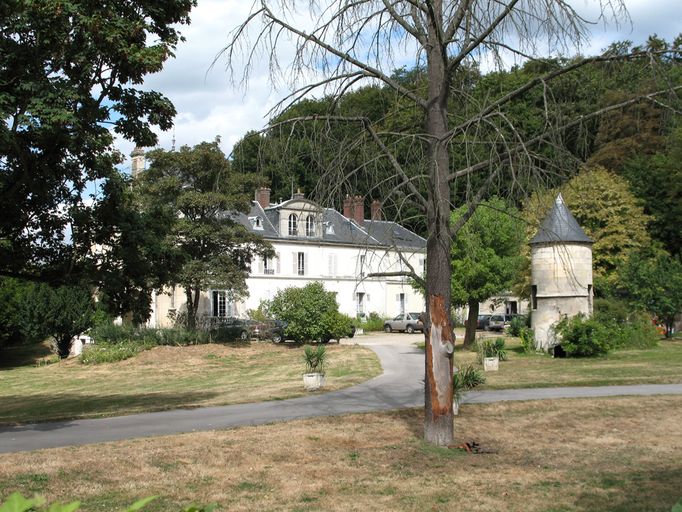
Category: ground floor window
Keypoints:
(222, 307)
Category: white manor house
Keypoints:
(317, 244)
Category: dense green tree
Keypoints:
(486, 256)
(608, 212)
(197, 195)
(657, 181)
(654, 283)
(68, 82)
(311, 313)
(62, 313)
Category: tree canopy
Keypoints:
(486, 256)
(69, 77)
(198, 196)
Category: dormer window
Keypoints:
(310, 226)
(256, 223)
(328, 228)
(293, 225)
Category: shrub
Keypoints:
(314, 358)
(488, 347)
(527, 336)
(336, 326)
(583, 337)
(111, 352)
(308, 311)
(638, 332)
(517, 323)
(611, 310)
(468, 377)
(374, 323)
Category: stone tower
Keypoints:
(561, 273)
(137, 165)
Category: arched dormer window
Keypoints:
(293, 225)
(310, 226)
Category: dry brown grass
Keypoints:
(586, 455)
(171, 377)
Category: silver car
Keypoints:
(408, 322)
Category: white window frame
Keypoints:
(310, 225)
(300, 263)
(293, 225)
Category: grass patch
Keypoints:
(657, 365)
(167, 377)
(608, 454)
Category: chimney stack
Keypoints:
(263, 196)
(298, 195)
(376, 210)
(348, 207)
(359, 210)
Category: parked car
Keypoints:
(229, 328)
(497, 323)
(408, 322)
(482, 322)
(270, 330)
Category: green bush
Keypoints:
(314, 358)
(104, 352)
(374, 323)
(309, 311)
(527, 336)
(517, 323)
(611, 310)
(638, 332)
(488, 347)
(468, 377)
(336, 326)
(584, 337)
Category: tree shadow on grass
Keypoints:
(645, 490)
(16, 356)
(45, 407)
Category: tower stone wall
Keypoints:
(561, 274)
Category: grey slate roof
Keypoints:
(346, 232)
(560, 226)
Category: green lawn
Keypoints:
(659, 365)
(166, 378)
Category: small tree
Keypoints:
(655, 284)
(64, 312)
(485, 256)
(311, 312)
(199, 196)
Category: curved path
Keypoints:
(400, 386)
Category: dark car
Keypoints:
(408, 322)
(483, 322)
(270, 330)
(228, 328)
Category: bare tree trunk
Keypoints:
(472, 320)
(191, 308)
(438, 413)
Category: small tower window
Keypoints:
(293, 225)
(534, 296)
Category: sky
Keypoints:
(209, 105)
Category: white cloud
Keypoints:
(208, 105)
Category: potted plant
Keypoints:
(490, 353)
(313, 378)
(464, 379)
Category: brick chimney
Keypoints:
(263, 196)
(358, 210)
(348, 207)
(376, 210)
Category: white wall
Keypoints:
(337, 267)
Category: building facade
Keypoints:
(317, 244)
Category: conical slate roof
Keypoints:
(560, 226)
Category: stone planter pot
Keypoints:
(313, 381)
(491, 364)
